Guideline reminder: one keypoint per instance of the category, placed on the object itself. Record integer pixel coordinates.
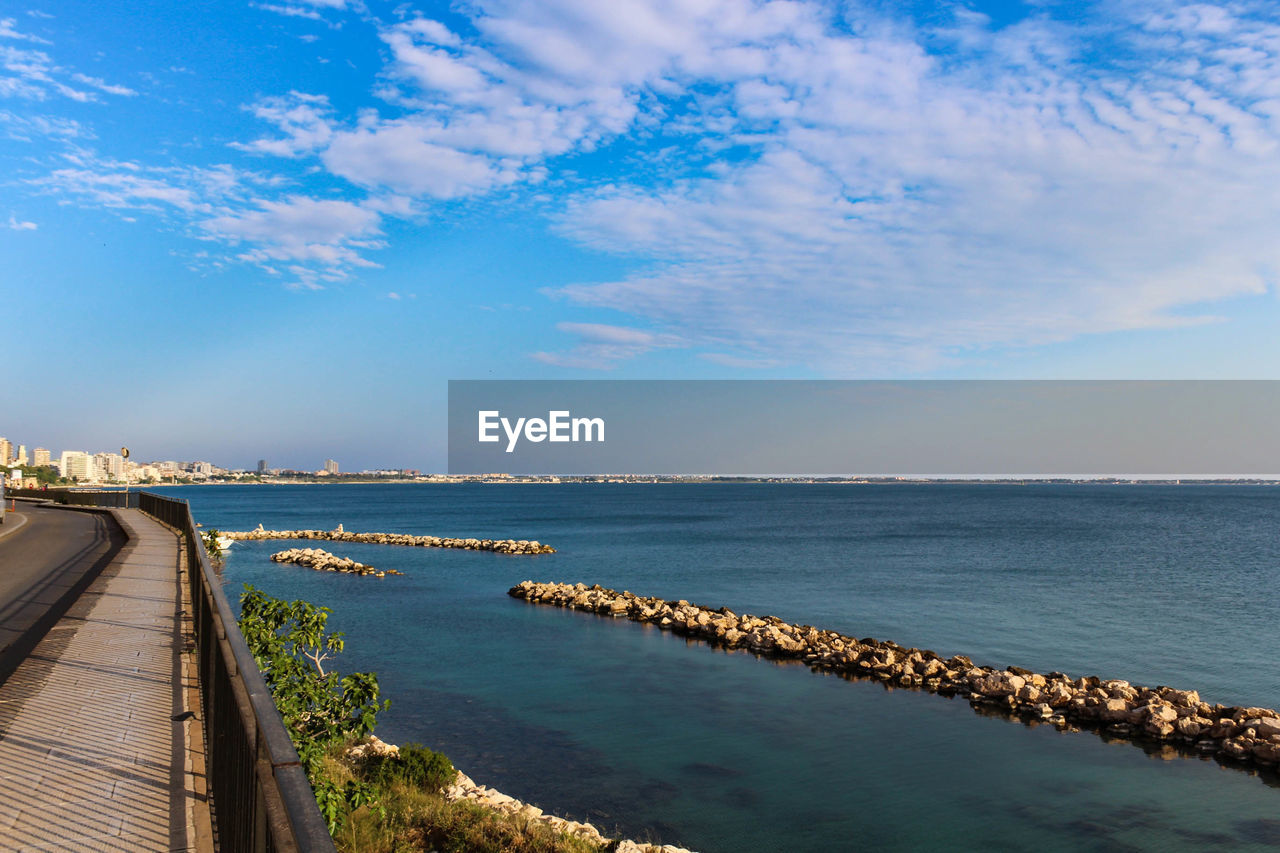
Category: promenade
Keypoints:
(91, 755)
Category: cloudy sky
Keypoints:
(231, 230)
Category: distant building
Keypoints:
(22, 455)
(6, 451)
(41, 457)
(330, 466)
(262, 466)
(142, 473)
(76, 464)
(108, 466)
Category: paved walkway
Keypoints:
(90, 757)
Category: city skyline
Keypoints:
(277, 230)
(109, 466)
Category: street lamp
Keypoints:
(124, 451)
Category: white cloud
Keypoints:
(894, 195)
(308, 9)
(99, 83)
(116, 185)
(898, 212)
(601, 346)
(26, 127)
(290, 11)
(304, 119)
(8, 30)
(35, 76)
(317, 240)
(320, 236)
(403, 158)
(15, 224)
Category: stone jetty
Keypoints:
(499, 546)
(323, 561)
(463, 788)
(1174, 718)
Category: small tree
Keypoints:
(320, 709)
(211, 546)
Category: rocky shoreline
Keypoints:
(463, 788)
(323, 561)
(498, 546)
(1162, 715)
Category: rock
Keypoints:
(1188, 727)
(999, 684)
(1234, 748)
(1266, 727)
(320, 560)
(1114, 711)
(1059, 695)
(372, 746)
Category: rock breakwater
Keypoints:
(1174, 718)
(499, 546)
(323, 561)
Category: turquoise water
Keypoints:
(642, 731)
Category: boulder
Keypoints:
(1113, 711)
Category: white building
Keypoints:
(40, 457)
(108, 466)
(76, 464)
(141, 473)
(6, 451)
(22, 455)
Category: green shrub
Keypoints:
(417, 767)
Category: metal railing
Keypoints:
(262, 800)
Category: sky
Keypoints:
(243, 230)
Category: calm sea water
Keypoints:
(646, 733)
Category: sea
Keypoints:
(659, 738)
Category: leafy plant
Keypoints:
(211, 546)
(320, 708)
(416, 766)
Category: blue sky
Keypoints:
(232, 230)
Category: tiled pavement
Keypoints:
(90, 757)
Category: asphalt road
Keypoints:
(44, 566)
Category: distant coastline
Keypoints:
(641, 479)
